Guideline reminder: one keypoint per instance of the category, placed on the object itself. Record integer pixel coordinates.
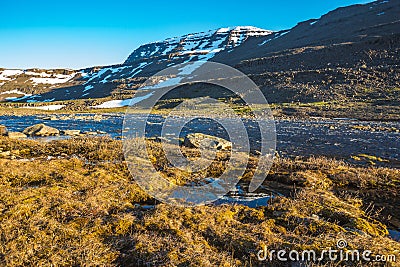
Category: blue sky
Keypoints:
(77, 34)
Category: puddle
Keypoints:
(254, 201)
(395, 235)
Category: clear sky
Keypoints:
(77, 34)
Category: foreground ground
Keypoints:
(74, 203)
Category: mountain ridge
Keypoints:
(200, 43)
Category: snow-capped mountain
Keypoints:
(153, 57)
(146, 60)
(203, 45)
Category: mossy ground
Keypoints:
(74, 203)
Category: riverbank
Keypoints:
(364, 111)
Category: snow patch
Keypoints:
(14, 92)
(164, 83)
(122, 103)
(138, 68)
(276, 37)
(223, 30)
(266, 41)
(84, 74)
(281, 34)
(241, 33)
(59, 78)
(119, 69)
(101, 72)
(105, 80)
(49, 107)
(5, 74)
(14, 98)
(41, 74)
(98, 74)
(88, 87)
(168, 49)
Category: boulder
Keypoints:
(41, 130)
(65, 117)
(5, 154)
(197, 140)
(98, 117)
(3, 130)
(15, 135)
(51, 118)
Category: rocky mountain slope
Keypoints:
(349, 54)
(24, 84)
(342, 26)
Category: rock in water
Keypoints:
(198, 140)
(15, 135)
(3, 130)
(41, 130)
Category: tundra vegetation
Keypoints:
(74, 203)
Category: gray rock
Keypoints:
(3, 130)
(197, 140)
(16, 135)
(5, 154)
(41, 130)
(64, 118)
(51, 118)
(98, 117)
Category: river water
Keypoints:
(339, 138)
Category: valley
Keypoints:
(73, 151)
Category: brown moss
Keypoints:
(82, 207)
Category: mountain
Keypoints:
(201, 46)
(350, 53)
(149, 58)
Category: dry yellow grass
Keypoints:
(81, 207)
